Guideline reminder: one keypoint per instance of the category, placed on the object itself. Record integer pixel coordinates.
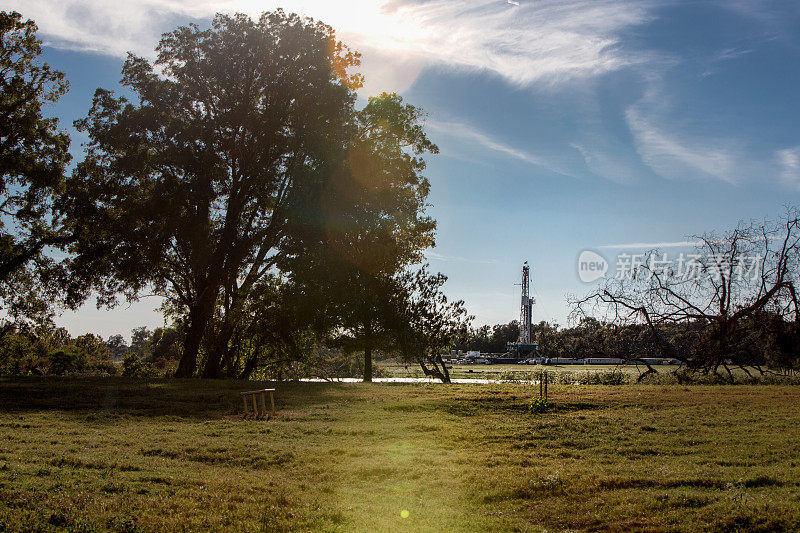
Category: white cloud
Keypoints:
(470, 134)
(789, 161)
(675, 146)
(607, 159)
(773, 20)
(547, 42)
(725, 55)
(672, 151)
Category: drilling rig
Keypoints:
(524, 347)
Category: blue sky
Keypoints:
(563, 125)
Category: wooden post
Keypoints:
(255, 405)
(262, 396)
(244, 399)
(271, 403)
(545, 384)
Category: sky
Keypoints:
(564, 126)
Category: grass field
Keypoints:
(587, 374)
(114, 454)
(522, 372)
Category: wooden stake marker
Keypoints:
(259, 396)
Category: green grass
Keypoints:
(519, 372)
(124, 455)
(586, 374)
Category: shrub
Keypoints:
(538, 405)
(609, 377)
(134, 367)
(66, 362)
(597, 377)
(106, 368)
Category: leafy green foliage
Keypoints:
(538, 405)
(767, 340)
(33, 156)
(134, 367)
(373, 225)
(66, 362)
(191, 190)
(48, 350)
(427, 323)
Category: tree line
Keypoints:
(52, 351)
(768, 343)
(241, 183)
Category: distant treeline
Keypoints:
(766, 341)
(52, 351)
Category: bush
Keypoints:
(538, 405)
(134, 367)
(510, 376)
(326, 364)
(609, 377)
(106, 368)
(66, 362)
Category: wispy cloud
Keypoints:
(674, 154)
(775, 20)
(671, 148)
(724, 55)
(436, 256)
(608, 160)
(789, 161)
(650, 245)
(672, 244)
(549, 42)
(470, 134)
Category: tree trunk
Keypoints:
(249, 366)
(445, 372)
(191, 345)
(368, 364)
(437, 369)
(211, 370)
(199, 316)
(213, 366)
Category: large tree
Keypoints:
(33, 156)
(191, 188)
(371, 226)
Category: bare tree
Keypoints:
(720, 294)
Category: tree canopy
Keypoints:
(33, 157)
(190, 190)
(373, 225)
(245, 157)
